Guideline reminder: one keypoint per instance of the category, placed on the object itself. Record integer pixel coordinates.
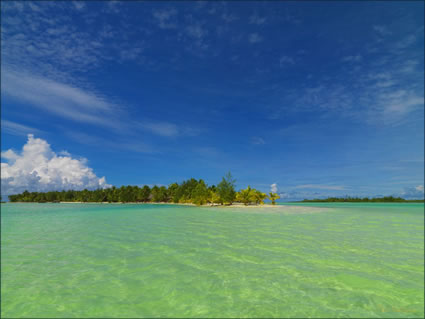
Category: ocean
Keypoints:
(128, 260)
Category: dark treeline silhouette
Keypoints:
(386, 199)
(190, 191)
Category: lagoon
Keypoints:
(295, 260)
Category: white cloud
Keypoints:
(76, 104)
(273, 188)
(398, 103)
(255, 38)
(39, 168)
(319, 186)
(62, 99)
(14, 128)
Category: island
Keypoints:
(348, 199)
(191, 191)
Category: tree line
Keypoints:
(189, 191)
(386, 199)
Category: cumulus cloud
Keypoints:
(39, 168)
(273, 188)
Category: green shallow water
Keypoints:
(332, 260)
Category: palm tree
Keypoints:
(246, 195)
(259, 197)
(273, 197)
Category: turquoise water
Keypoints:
(332, 260)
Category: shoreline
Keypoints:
(143, 203)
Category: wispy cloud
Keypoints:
(14, 128)
(256, 19)
(405, 42)
(319, 186)
(166, 18)
(256, 140)
(196, 31)
(255, 38)
(112, 144)
(62, 99)
(286, 60)
(352, 58)
(131, 54)
(78, 104)
(79, 4)
(227, 17)
(36, 36)
(381, 30)
(161, 128)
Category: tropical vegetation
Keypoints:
(387, 199)
(190, 191)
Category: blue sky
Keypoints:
(319, 98)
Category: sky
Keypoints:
(308, 99)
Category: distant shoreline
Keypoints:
(361, 201)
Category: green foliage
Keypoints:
(143, 194)
(259, 197)
(226, 189)
(200, 194)
(246, 196)
(189, 191)
(385, 199)
(273, 197)
(213, 197)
